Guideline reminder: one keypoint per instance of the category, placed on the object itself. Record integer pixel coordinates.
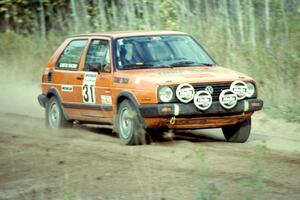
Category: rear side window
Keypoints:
(70, 57)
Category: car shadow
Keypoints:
(194, 136)
(99, 130)
(182, 135)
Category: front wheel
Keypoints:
(130, 126)
(238, 132)
(54, 115)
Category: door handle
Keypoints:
(79, 77)
(107, 91)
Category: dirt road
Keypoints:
(91, 163)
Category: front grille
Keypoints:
(218, 88)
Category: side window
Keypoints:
(70, 57)
(98, 56)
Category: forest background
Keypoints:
(258, 37)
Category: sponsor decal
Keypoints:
(137, 81)
(203, 100)
(121, 80)
(67, 88)
(185, 92)
(88, 87)
(68, 65)
(240, 89)
(228, 99)
(182, 72)
(106, 100)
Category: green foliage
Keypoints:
(206, 190)
(67, 194)
(169, 14)
(254, 184)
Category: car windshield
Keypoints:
(160, 51)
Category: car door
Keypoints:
(67, 76)
(96, 86)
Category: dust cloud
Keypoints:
(19, 95)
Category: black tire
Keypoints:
(238, 132)
(129, 125)
(54, 115)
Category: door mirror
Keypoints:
(106, 67)
(95, 68)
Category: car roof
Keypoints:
(120, 34)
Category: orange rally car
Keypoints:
(143, 82)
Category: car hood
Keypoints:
(172, 76)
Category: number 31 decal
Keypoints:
(88, 87)
(88, 93)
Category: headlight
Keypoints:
(240, 89)
(165, 94)
(203, 100)
(185, 92)
(228, 99)
(251, 89)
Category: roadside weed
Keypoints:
(254, 183)
(206, 190)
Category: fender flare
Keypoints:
(127, 95)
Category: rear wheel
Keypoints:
(130, 126)
(238, 132)
(54, 115)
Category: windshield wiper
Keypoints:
(182, 63)
(187, 63)
(137, 65)
(205, 64)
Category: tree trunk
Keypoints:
(267, 23)
(6, 22)
(206, 11)
(42, 20)
(129, 13)
(113, 18)
(84, 16)
(146, 16)
(227, 24)
(75, 16)
(284, 18)
(198, 15)
(102, 16)
(252, 23)
(60, 13)
(15, 18)
(157, 21)
(240, 20)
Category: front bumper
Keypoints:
(189, 109)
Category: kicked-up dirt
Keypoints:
(88, 162)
